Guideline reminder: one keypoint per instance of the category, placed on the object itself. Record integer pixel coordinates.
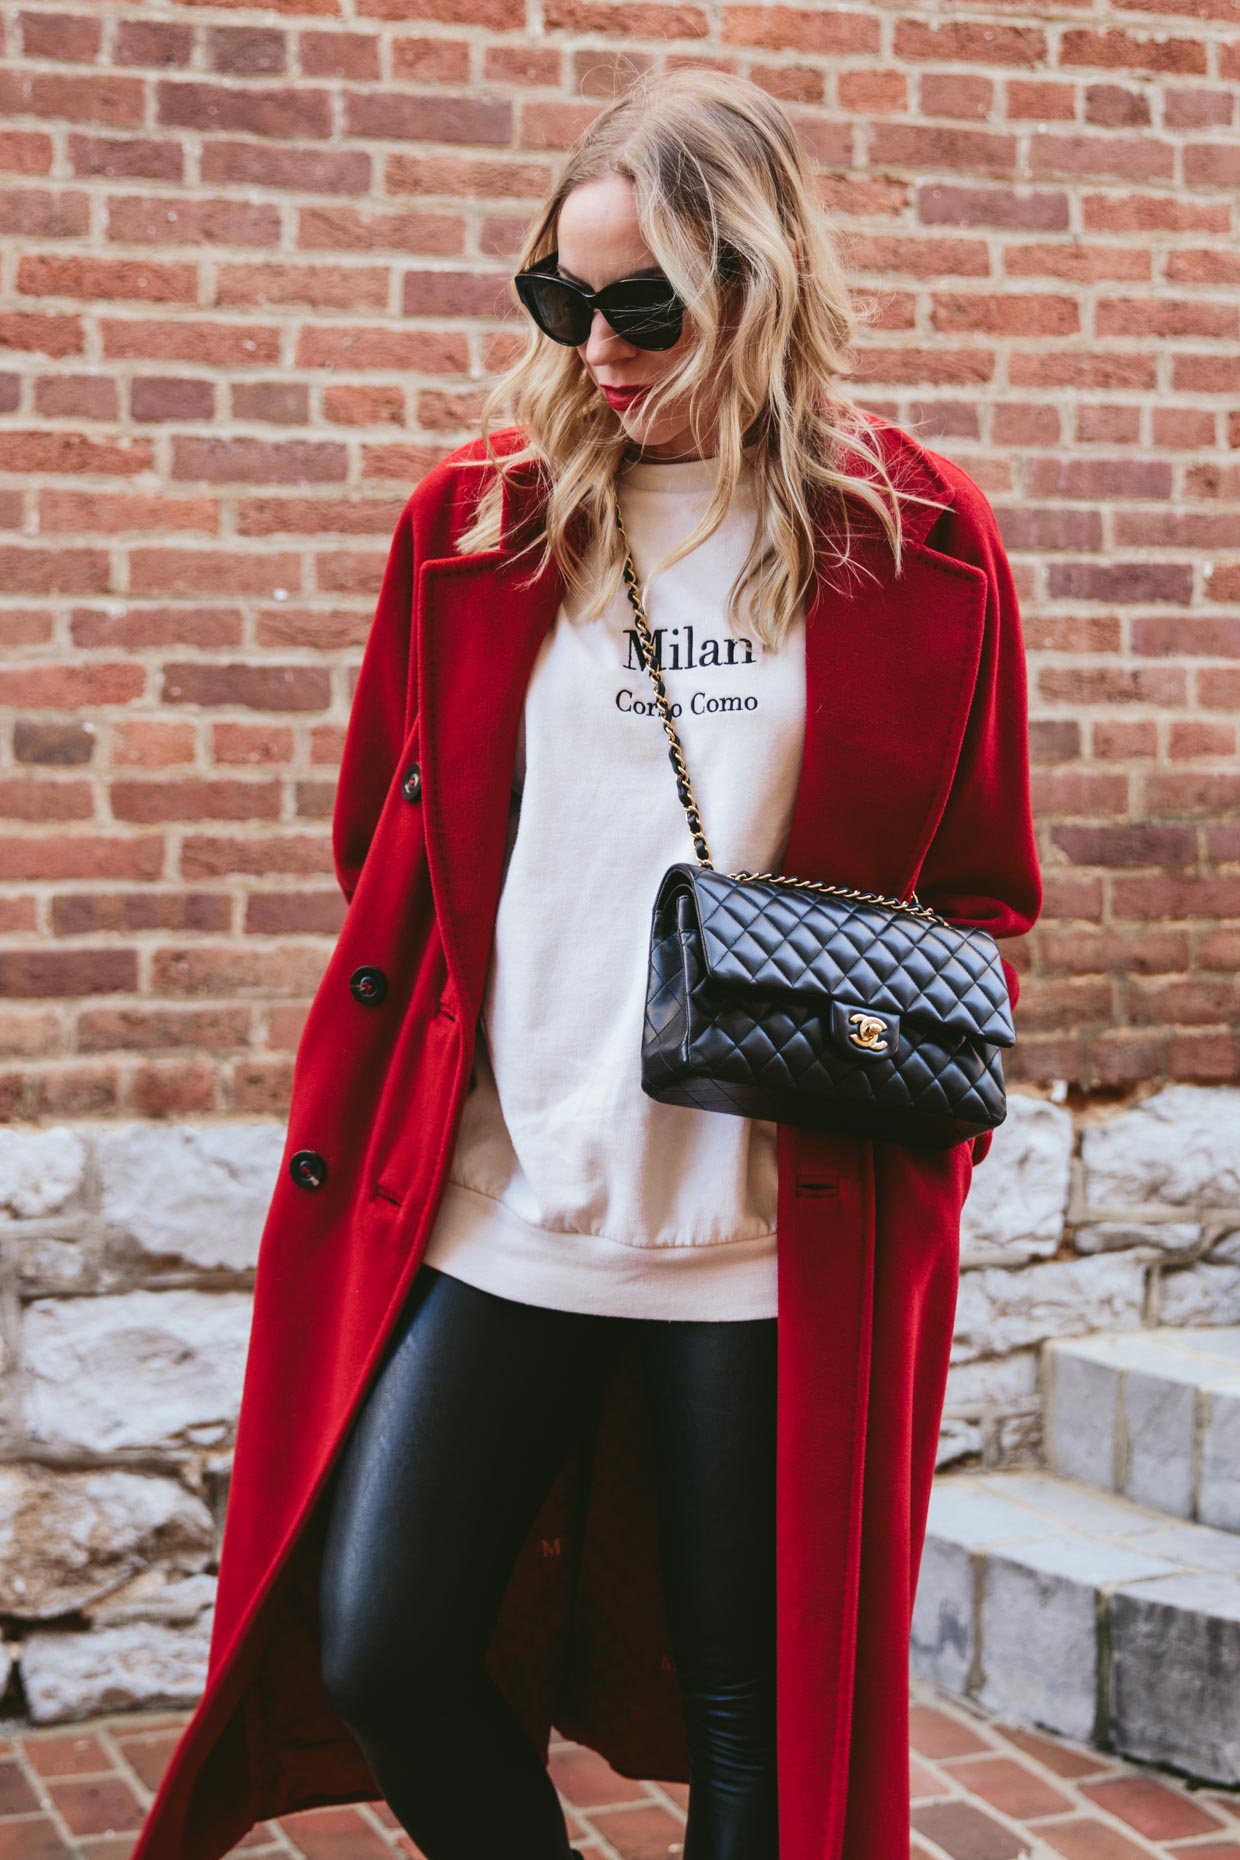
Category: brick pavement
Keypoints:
(982, 1790)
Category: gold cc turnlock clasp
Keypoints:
(869, 1031)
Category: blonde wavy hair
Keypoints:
(726, 202)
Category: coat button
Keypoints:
(369, 985)
(411, 787)
(308, 1169)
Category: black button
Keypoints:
(308, 1169)
(369, 985)
(411, 787)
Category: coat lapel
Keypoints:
(479, 634)
(890, 666)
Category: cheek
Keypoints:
(665, 363)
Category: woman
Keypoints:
(622, 1415)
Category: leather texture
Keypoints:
(759, 993)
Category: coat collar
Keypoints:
(890, 669)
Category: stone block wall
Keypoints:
(125, 1297)
(126, 1277)
(1112, 1218)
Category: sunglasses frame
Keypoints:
(525, 281)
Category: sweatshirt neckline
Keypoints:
(678, 474)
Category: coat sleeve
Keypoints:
(381, 713)
(981, 868)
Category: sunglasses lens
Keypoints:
(648, 314)
(558, 312)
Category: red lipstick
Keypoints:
(619, 398)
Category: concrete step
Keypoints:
(1153, 1415)
(1081, 1612)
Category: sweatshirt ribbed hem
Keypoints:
(480, 1240)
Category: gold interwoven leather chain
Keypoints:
(684, 787)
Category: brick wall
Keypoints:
(252, 287)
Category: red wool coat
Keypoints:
(915, 771)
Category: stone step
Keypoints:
(1081, 1612)
(1153, 1415)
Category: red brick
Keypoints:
(113, 512)
(175, 1088)
(16, 1795)
(96, 1805)
(60, 972)
(161, 397)
(38, 213)
(277, 403)
(1110, 157)
(71, 687)
(34, 1838)
(254, 110)
(1130, 51)
(152, 42)
(91, 913)
(1116, 106)
(44, 274)
(40, 857)
(380, 229)
(211, 571)
(135, 157)
(195, 799)
(259, 687)
(64, 451)
(118, 102)
(319, 287)
(246, 51)
(256, 856)
(935, 1734)
(190, 340)
(1206, 1059)
(293, 968)
(306, 170)
(137, 219)
(969, 42)
(210, 1029)
(395, 115)
(339, 54)
(72, 37)
(76, 397)
(299, 912)
(967, 1832)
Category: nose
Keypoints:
(597, 347)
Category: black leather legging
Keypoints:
(474, 1406)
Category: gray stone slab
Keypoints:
(1215, 1340)
(1085, 1613)
(1039, 1640)
(1153, 1414)
(943, 1640)
(1179, 1148)
(160, 1370)
(1081, 1416)
(1174, 1694)
(1218, 1480)
(1082, 1507)
(967, 1510)
(1194, 1546)
(1157, 1454)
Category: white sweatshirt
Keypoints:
(569, 1187)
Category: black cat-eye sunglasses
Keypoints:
(644, 311)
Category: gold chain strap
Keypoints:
(684, 787)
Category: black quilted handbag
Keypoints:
(815, 1004)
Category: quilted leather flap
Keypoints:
(758, 934)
